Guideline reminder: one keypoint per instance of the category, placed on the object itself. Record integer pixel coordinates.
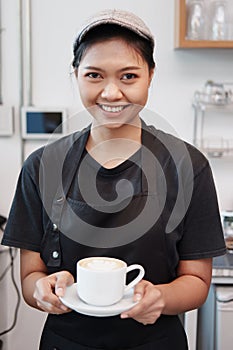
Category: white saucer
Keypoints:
(72, 300)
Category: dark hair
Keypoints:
(108, 31)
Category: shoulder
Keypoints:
(182, 153)
(52, 153)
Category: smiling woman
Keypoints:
(116, 87)
(149, 199)
(111, 89)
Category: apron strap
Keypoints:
(57, 171)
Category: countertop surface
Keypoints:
(222, 271)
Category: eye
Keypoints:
(93, 75)
(128, 76)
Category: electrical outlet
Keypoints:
(6, 121)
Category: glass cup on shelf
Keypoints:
(195, 20)
(218, 20)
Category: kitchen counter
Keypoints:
(208, 327)
(222, 272)
(197, 320)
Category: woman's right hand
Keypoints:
(48, 289)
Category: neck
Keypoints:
(112, 146)
(100, 133)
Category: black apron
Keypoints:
(58, 251)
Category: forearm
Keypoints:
(183, 294)
(42, 290)
(28, 288)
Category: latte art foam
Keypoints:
(101, 264)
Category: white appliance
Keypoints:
(224, 318)
(215, 317)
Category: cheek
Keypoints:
(139, 95)
(87, 94)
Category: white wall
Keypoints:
(54, 24)
(9, 146)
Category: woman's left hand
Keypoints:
(150, 305)
(186, 292)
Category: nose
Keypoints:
(111, 92)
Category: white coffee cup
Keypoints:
(101, 281)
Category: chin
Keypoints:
(113, 125)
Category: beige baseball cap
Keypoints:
(122, 18)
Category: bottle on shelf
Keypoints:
(195, 20)
(218, 20)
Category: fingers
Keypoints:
(63, 279)
(49, 289)
(52, 308)
(139, 290)
(150, 305)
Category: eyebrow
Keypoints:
(121, 70)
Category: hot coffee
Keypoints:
(101, 281)
(100, 263)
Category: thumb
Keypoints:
(63, 280)
(139, 291)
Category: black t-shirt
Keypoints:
(106, 180)
(198, 235)
(173, 173)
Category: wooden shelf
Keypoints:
(180, 32)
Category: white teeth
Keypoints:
(112, 109)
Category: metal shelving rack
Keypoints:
(221, 147)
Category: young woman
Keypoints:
(118, 188)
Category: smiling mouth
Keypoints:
(112, 109)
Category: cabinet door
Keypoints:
(181, 40)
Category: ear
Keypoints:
(151, 75)
(76, 72)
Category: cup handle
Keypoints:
(138, 278)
